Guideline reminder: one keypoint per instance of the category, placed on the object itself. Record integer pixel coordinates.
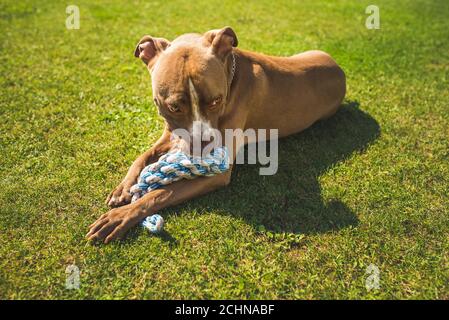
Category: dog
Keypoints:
(206, 78)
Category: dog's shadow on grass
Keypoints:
(291, 200)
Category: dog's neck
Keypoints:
(237, 84)
(240, 80)
(248, 85)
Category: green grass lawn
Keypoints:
(368, 186)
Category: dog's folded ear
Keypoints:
(221, 41)
(148, 48)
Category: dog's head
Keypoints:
(190, 76)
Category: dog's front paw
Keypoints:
(120, 195)
(114, 224)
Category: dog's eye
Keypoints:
(173, 108)
(215, 103)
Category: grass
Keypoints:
(368, 186)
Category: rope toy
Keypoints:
(174, 166)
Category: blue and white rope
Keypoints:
(174, 166)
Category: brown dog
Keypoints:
(206, 78)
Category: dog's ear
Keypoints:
(148, 48)
(221, 41)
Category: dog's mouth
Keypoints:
(204, 146)
(195, 147)
(199, 140)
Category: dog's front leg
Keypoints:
(120, 195)
(115, 223)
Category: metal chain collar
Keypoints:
(232, 68)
